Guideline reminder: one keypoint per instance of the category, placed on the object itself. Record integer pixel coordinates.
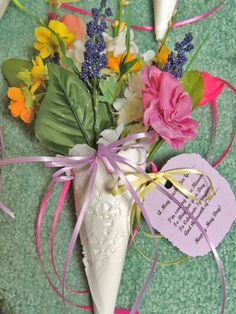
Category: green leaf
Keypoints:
(12, 67)
(68, 61)
(128, 39)
(104, 117)
(193, 84)
(108, 88)
(66, 115)
(21, 7)
(126, 66)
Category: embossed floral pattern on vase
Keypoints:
(100, 219)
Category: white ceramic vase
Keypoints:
(106, 229)
(3, 6)
(163, 12)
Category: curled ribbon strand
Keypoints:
(149, 28)
(210, 244)
(38, 240)
(108, 155)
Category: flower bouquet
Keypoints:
(105, 109)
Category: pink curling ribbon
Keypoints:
(149, 28)
(213, 87)
(69, 163)
(38, 240)
(222, 157)
(108, 155)
(210, 244)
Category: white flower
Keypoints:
(76, 53)
(130, 107)
(163, 12)
(3, 7)
(109, 136)
(117, 45)
(148, 57)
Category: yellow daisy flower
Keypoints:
(46, 41)
(39, 73)
(34, 78)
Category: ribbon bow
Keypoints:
(108, 154)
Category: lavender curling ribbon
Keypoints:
(210, 244)
(108, 154)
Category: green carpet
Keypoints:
(190, 288)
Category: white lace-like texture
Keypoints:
(105, 230)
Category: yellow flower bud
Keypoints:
(122, 25)
(163, 54)
(115, 24)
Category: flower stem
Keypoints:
(155, 148)
(95, 107)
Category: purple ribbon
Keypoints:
(108, 154)
(210, 244)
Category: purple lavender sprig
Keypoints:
(95, 58)
(177, 60)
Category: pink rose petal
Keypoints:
(167, 107)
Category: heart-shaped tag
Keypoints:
(216, 216)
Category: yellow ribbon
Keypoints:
(146, 183)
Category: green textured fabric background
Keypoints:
(190, 288)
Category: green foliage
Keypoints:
(11, 69)
(68, 61)
(104, 118)
(128, 39)
(126, 66)
(108, 88)
(21, 7)
(193, 84)
(66, 116)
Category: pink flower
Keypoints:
(167, 107)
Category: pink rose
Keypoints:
(167, 107)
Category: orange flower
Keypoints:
(18, 105)
(114, 62)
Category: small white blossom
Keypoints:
(117, 45)
(130, 106)
(76, 53)
(148, 57)
(109, 136)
